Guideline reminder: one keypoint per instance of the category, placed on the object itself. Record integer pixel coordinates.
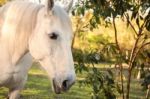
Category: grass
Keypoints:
(38, 87)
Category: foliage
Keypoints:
(138, 20)
(108, 8)
(102, 83)
(146, 81)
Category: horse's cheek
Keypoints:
(33, 48)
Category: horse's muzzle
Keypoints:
(66, 84)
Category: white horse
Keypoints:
(41, 31)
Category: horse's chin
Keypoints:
(56, 88)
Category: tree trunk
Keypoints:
(147, 93)
(128, 83)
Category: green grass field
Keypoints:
(38, 87)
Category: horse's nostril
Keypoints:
(65, 85)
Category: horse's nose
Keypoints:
(66, 84)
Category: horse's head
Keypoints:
(50, 44)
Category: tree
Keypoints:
(112, 8)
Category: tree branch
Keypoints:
(148, 43)
(134, 51)
(131, 24)
(138, 51)
(120, 52)
(139, 34)
(116, 36)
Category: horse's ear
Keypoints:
(49, 4)
(68, 6)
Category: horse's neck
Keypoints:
(20, 20)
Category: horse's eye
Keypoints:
(53, 36)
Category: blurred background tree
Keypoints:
(90, 14)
